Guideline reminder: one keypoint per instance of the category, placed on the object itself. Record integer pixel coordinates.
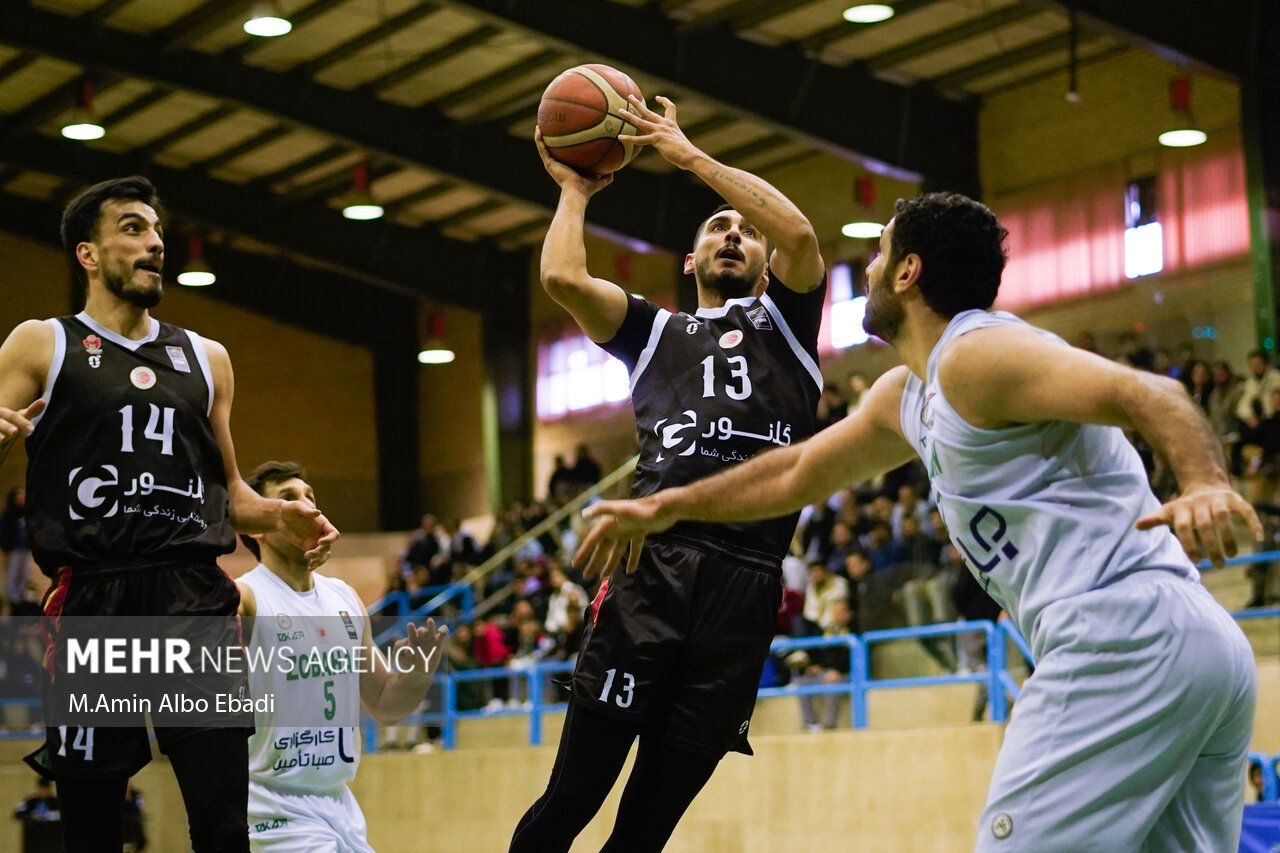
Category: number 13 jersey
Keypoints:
(123, 464)
(717, 387)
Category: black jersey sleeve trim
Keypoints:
(629, 343)
(800, 352)
(55, 365)
(655, 334)
(202, 358)
(802, 310)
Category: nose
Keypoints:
(155, 243)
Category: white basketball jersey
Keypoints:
(1040, 511)
(301, 654)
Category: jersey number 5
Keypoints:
(737, 372)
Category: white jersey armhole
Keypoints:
(55, 365)
(202, 358)
(655, 332)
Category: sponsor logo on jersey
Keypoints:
(284, 621)
(142, 378)
(926, 413)
(742, 729)
(692, 328)
(93, 346)
(179, 359)
(759, 317)
(1002, 825)
(730, 339)
(350, 626)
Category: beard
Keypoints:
(122, 286)
(729, 285)
(884, 315)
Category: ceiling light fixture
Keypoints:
(196, 273)
(267, 21)
(359, 203)
(82, 125)
(868, 13)
(864, 197)
(434, 348)
(1185, 133)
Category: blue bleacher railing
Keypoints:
(439, 596)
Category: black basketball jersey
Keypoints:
(123, 464)
(717, 387)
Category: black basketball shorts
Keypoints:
(678, 646)
(202, 601)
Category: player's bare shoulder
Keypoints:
(883, 400)
(25, 357)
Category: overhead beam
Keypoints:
(413, 67)
(1005, 61)
(202, 21)
(410, 261)
(914, 133)
(501, 164)
(1223, 43)
(954, 35)
(815, 42)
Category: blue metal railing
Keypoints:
(440, 596)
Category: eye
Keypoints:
(717, 227)
(750, 231)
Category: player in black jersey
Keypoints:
(132, 494)
(675, 653)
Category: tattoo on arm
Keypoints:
(739, 183)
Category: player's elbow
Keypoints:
(559, 283)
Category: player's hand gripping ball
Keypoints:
(581, 116)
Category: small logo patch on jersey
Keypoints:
(142, 377)
(730, 339)
(926, 413)
(692, 328)
(93, 346)
(742, 729)
(284, 622)
(1002, 825)
(179, 359)
(351, 626)
(759, 317)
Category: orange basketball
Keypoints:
(578, 119)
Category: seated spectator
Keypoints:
(909, 505)
(972, 603)
(1223, 400)
(842, 541)
(926, 594)
(586, 470)
(831, 408)
(428, 549)
(857, 387)
(532, 644)
(561, 486)
(1199, 384)
(1255, 403)
(824, 666)
(564, 593)
(884, 553)
(825, 588)
(470, 694)
(568, 642)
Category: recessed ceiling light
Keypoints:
(868, 13)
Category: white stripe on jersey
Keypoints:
(801, 354)
(202, 358)
(655, 333)
(55, 365)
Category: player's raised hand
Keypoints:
(660, 131)
(1202, 518)
(428, 644)
(305, 526)
(564, 175)
(16, 423)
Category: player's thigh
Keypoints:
(1110, 725)
(285, 823)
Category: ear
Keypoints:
(87, 255)
(763, 284)
(688, 264)
(907, 275)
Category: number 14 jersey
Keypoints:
(123, 464)
(716, 387)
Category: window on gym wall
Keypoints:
(1143, 236)
(575, 375)
(846, 304)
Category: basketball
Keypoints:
(578, 119)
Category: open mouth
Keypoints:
(729, 253)
(149, 266)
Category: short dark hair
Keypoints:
(961, 244)
(80, 216)
(1259, 353)
(263, 476)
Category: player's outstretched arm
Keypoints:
(598, 306)
(796, 259)
(1006, 375)
(299, 521)
(390, 695)
(772, 484)
(24, 366)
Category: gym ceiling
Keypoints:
(253, 142)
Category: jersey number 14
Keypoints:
(159, 428)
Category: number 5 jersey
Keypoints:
(123, 464)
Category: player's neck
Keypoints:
(921, 330)
(295, 573)
(112, 313)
